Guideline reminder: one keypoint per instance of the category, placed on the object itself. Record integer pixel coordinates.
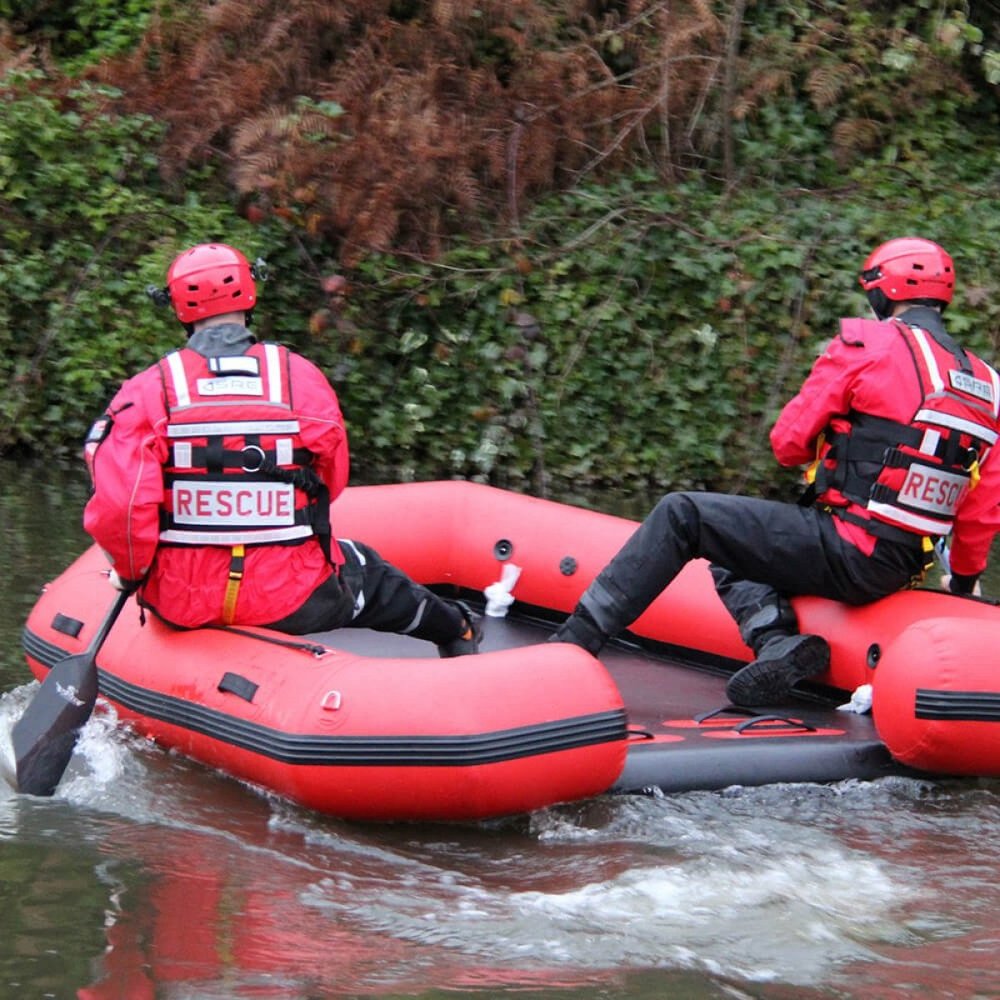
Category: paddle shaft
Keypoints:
(121, 599)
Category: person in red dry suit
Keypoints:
(213, 472)
(899, 422)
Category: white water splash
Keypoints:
(759, 899)
(12, 705)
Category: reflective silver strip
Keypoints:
(930, 441)
(928, 354)
(921, 525)
(240, 364)
(357, 552)
(263, 536)
(177, 376)
(233, 427)
(359, 604)
(957, 424)
(272, 358)
(209, 402)
(359, 595)
(995, 379)
(417, 618)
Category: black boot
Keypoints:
(581, 630)
(782, 661)
(467, 642)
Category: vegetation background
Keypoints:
(555, 245)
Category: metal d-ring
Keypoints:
(252, 449)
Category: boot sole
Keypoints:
(770, 681)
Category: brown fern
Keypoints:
(453, 110)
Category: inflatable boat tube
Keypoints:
(372, 726)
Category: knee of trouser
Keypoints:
(679, 509)
(773, 617)
(683, 517)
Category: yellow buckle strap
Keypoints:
(974, 475)
(927, 548)
(233, 584)
(810, 473)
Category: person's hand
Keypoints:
(127, 586)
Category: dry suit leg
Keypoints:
(370, 592)
(387, 600)
(759, 549)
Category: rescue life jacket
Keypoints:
(910, 478)
(237, 472)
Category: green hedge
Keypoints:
(87, 225)
(670, 326)
(634, 335)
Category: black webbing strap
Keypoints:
(242, 687)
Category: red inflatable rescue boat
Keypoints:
(366, 725)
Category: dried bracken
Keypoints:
(420, 116)
(396, 124)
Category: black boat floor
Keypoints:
(686, 735)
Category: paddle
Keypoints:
(45, 735)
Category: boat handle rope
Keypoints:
(782, 719)
(753, 720)
(307, 647)
(730, 709)
(636, 733)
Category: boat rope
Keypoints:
(307, 647)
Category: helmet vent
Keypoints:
(909, 268)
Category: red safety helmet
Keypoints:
(208, 280)
(907, 269)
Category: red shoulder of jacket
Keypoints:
(858, 331)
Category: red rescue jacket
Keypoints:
(902, 423)
(202, 454)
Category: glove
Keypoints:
(962, 583)
(127, 586)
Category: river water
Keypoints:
(147, 876)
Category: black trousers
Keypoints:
(370, 592)
(760, 551)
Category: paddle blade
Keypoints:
(45, 735)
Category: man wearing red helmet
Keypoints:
(213, 472)
(899, 423)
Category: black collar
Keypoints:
(930, 320)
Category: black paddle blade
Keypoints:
(45, 735)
